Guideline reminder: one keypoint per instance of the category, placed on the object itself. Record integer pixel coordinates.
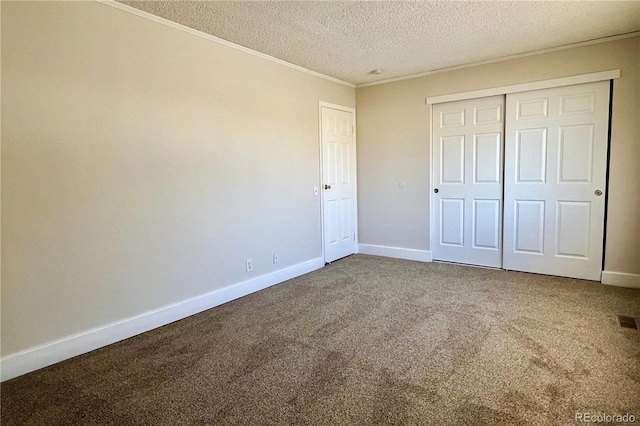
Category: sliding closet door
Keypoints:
(555, 173)
(467, 172)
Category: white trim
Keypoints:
(218, 40)
(620, 279)
(503, 58)
(320, 172)
(432, 211)
(525, 87)
(50, 353)
(395, 252)
(322, 104)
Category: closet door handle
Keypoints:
(436, 190)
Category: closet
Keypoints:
(519, 180)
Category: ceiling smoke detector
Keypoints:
(376, 72)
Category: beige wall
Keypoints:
(141, 166)
(393, 145)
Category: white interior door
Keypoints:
(467, 172)
(555, 172)
(338, 183)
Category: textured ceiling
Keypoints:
(349, 39)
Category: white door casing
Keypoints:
(338, 182)
(555, 175)
(467, 172)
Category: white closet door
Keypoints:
(467, 171)
(555, 172)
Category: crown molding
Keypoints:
(504, 58)
(149, 16)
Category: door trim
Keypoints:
(525, 87)
(322, 104)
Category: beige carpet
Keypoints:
(366, 340)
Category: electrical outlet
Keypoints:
(276, 257)
(249, 265)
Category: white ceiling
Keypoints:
(348, 39)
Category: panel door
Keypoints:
(555, 172)
(338, 183)
(468, 181)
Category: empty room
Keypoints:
(320, 212)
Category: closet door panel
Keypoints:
(555, 175)
(467, 170)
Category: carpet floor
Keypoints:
(365, 340)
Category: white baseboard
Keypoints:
(50, 353)
(396, 252)
(620, 279)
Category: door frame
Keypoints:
(322, 104)
(515, 88)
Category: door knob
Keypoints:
(327, 186)
(436, 190)
(598, 192)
